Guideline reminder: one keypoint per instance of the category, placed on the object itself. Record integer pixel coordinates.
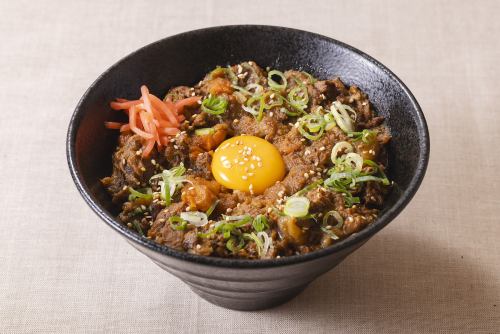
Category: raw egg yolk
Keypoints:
(247, 163)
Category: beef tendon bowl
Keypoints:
(249, 163)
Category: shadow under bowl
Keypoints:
(182, 60)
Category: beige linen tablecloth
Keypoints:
(436, 268)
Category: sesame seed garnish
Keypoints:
(252, 166)
(241, 163)
(250, 174)
(172, 140)
(228, 210)
(322, 148)
(235, 120)
(199, 101)
(271, 114)
(124, 188)
(306, 152)
(198, 246)
(302, 139)
(129, 224)
(322, 96)
(138, 152)
(306, 175)
(188, 208)
(251, 63)
(244, 177)
(226, 164)
(123, 161)
(176, 147)
(259, 164)
(191, 188)
(269, 210)
(193, 94)
(290, 124)
(143, 169)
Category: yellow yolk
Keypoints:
(247, 163)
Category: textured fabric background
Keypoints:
(436, 268)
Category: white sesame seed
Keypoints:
(306, 175)
(235, 120)
(199, 101)
(124, 188)
(252, 166)
(302, 139)
(193, 94)
(138, 152)
(176, 147)
(188, 208)
(250, 174)
(322, 148)
(143, 169)
(271, 114)
(198, 246)
(241, 163)
(306, 152)
(244, 177)
(259, 164)
(153, 162)
(240, 69)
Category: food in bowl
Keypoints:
(250, 163)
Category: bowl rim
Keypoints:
(353, 239)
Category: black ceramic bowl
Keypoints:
(182, 60)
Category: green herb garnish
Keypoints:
(214, 105)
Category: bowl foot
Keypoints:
(245, 302)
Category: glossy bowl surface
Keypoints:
(184, 59)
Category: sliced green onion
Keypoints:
(273, 84)
(232, 246)
(291, 113)
(251, 106)
(275, 98)
(338, 218)
(298, 97)
(367, 136)
(356, 159)
(134, 194)
(195, 217)
(341, 146)
(308, 188)
(344, 121)
(367, 178)
(138, 227)
(311, 79)
(212, 208)
(311, 126)
(204, 131)
(171, 179)
(214, 105)
(260, 223)
(297, 206)
(330, 233)
(226, 70)
(257, 240)
(177, 223)
(267, 242)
